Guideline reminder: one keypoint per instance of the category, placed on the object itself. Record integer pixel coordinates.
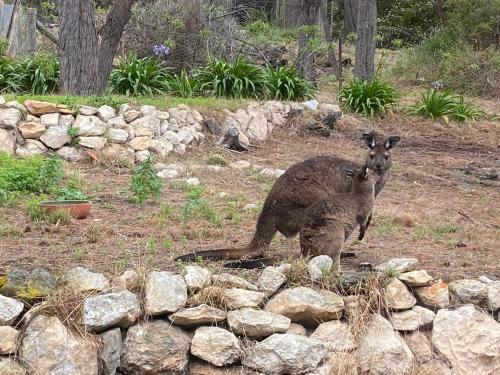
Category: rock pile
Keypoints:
(202, 323)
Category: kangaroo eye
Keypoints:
(386, 156)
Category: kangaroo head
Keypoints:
(379, 156)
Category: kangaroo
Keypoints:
(298, 188)
(328, 221)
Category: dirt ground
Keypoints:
(440, 205)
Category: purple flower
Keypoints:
(160, 50)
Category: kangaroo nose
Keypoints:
(378, 166)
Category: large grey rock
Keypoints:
(336, 336)
(398, 297)
(82, 280)
(89, 126)
(270, 280)
(306, 305)
(230, 281)
(7, 141)
(8, 366)
(86, 110)
(66, 120)
(383, 351)
(416, 278)
(256, 323)
(50, 348)
(117, 122)
(29, 285)
(319, 266)
(216, 346)
(238, 298)
(285, 354)
(146, 126)
(420, 345)
(470, 291)
(31, 148)
(121, 309)
(111, 350)
(172, 137)
(469, 339)
(50, 119)
(165, 293)
(70, 153)
(9, 118)
(196, 316)
(196, 277)
(117, 135)
(186, 135)
(161, 147)
(55, 137)
(31, 130)
(95, 143)
(435, 296)
(8, 340)
(155, 348)
(411, 320)
(106, 113)
(399, 265)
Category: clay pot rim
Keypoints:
(65, 203)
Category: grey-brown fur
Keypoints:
(328, 222)
(298, 188)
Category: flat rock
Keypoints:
(336, 336)
(95, 143)
(8, 366)
(230, 281)
(305, 305)
(31, 148)
(416, 278)
(196, 316)
(270, 281)
(50, 119)
(140, 143)
(435, 296)
(9, 118)
(411, 320)
(111, 350)
(399, 265)
(285, 354)
(165, 293)
(319, 266)
(121, 309)
(29, 285)
(56, 137)
(420, 345)
(398, 297)
(8, 340)
(239, 298)
(117, 122)
(50, 348)
(38, 108)
(87, 110)
(146, 126)
(382, 350)
(470, 291)
(82, 280)
(106, 113)
(117, 135)
(126, 281)
(155, 348)
(216, 346)
(240, 165)
(469, 339)
(89, 126)
(256, 324)
(172, 137)
(196, 277)
(7, 141)
(31, 130)
(70, 153)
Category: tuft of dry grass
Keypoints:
(212, 296)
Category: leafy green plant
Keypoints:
(368, 97)
(183, 85)
(51, 173)
(197, 206)
(70, 194)
(285, 83)
(145, 182)
(4, 45)
(19, 175)
(237, 79)
(98, 101)
(135, 76)
(463, 111)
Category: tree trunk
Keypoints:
(350, 16)
(308, 17)
(77, 47)
(366, 29)
(109, 38)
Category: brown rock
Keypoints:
(435, 296)
(37, 108)
(31, 130)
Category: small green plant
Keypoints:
(37, 214)
(464, 112)
(217, 159)
(434, 104)
(368, 97)
(151, 246)
(4, 46)
(51, 173)
(145, 182)
(285, 83)
(183, 85)
(98, 101)
(197, 206)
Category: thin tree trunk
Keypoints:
(308, 17)
(77, 47)
(350, 16)
(366, 29)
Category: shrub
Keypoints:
(285, 83)
(145, 182)
(463, 112)
(135, 76)
(183, 85)
(368, 97)
(12, 77)
(238, 79)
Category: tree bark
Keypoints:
(77, 47)
(350, 16)
(308, 17)
(366, 29)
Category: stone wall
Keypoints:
(203, 322)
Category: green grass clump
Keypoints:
(285, 83)
(145, 182)
(197, 206)
(217, 159)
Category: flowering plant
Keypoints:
(160, 50)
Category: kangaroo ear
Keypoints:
(364, 172)
(369, 139)
(391, 142)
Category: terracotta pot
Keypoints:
(77, 209)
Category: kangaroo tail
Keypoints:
(217, 254)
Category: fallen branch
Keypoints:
(49, 34)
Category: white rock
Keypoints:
(434, 367)
(50, 119)
(70, 153)
(172, 137)
(469, 339)
(240, 164)
(382, 351)
(8, 340)
(232, 281)
(140, 143)
(125, 107)
(148, 110)
(66, 120)
(131, 115)
(239, 298)
(106, 113)
(470, 291)
(493, 294)
(411, 320)
(216, 346)
(161, 147)
(196, 316)
(7, 141)
(399, 265)
(117, 122)
(419, 345)
(8, 366)
(297, 329)
(55, 137)
(82, 280)
(311, 105)
(416, 278)
(9, 118)
(146, 126)
(180, 149)
(257, 125)
(162, 115)
(435, 296)
(140, 156)
(31, 148)
(89, 126)
(398, 297)
(196, 277)
(165, 293)
(96, 143)
(86, 110)
(329, 107)
(50, 348)
(31, 130)
(2, 100)
(172, 125)
(193, 181)
(186, 135)
(336, 336)
(10, 309)
(112, 349)
(252, 323)
(120, 309)
(31, 118)
(319, 267)
(117, 135)
(285, 354)
(126, 281)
